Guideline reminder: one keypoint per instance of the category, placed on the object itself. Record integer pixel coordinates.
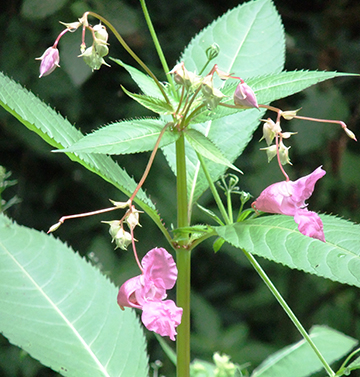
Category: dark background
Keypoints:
(233, 312)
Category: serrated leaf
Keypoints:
(156, 105)
(207, 149)
(59, 133)
(301, 358)
(145, 82)
(251, 41)
(131, 136)
(277, 238)
(63, 311)
(269, 88)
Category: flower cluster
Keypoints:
(244, 97)
(93, 55)
(288, 198)
(148, 292)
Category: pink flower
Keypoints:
(288, 198)
(147, 292)
(244, 96)
(49, 61)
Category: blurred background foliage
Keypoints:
(232, 310)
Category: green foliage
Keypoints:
(277, 238)
(206, 148)
(251, 41)
(332, 344)
(63, 311)
(132, 136)
(58, 132)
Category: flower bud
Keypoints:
(290, 114)
(350, 134)
(284, 154)
(183, 77)
(270, 129)
(212, 52)
(118, 234)
(92, 58)
(244, 96)
(49, 61)
(270, 152)
(72, 26)
(133, 219)
(122, 239)
(101, 33)
(212, 96)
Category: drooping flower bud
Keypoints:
(92, 58)
(284, 154)
(101, 33)
(271, 152)
(100, 41)
(121, 238)
(270, 130)
(49, 61)
(244, 96)
(212, 96)
(184, 77)
(133, 219)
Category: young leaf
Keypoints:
(154, 104)
(62, 310)
(207, 149)
(145, 82)
(130, 136)
(332, 344)
(277, 238)
(251, 41)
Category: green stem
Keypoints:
(156, 43)
(183, 259)
(130, 52)
(214, 191)
(288, 311)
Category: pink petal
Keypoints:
(304, 186)
(277, 199)
(310, 224)
(159, 267)
(49, 61)
(162, 317)
(127, 293)
(244, 96)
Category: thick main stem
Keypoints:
(183, 259)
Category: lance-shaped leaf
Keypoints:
(157, 105)
(207, 149)
(277, 238)
(251, 42)
(59, 133)
(62, 310)
(332, 344)
(131, 136)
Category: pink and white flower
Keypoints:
(288, 198)
(148, 292)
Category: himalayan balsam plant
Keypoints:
(65, 313)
